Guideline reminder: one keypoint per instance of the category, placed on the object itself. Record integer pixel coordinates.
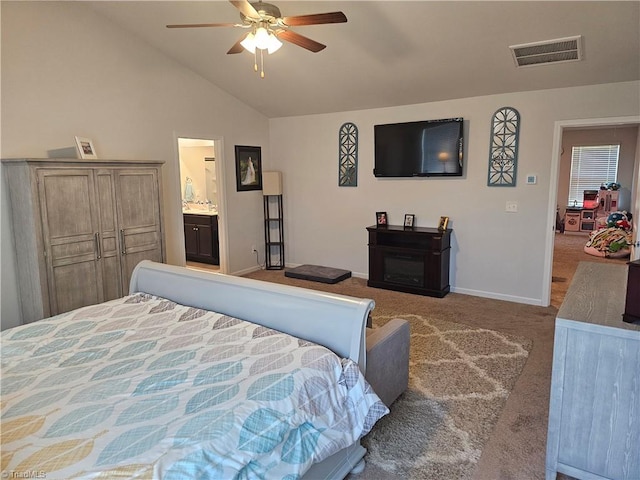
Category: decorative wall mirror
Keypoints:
(503, 153)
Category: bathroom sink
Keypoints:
(198, 211)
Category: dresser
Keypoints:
(594, 409)
(80, 228)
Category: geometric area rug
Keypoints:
(459, 381)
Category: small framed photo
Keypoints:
(85, 147)
(409, 219)
(444, 221)
(248, 168)
(381, 219)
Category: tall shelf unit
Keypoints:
(273, 221)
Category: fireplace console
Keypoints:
(412, 260)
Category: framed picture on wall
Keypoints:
(85, 147)
(248, 168)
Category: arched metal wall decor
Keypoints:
(503, 154)
(348, 155)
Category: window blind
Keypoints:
(591, 166)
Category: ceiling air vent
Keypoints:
(550, 51)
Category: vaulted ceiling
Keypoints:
(392, 52)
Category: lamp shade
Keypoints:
(249, 42)
(272, 183)
(262, 38)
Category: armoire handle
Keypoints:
(123, 248)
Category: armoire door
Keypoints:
(69, 226)
(108, 235)
(138, 217)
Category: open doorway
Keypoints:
(201, 183)
(566, 250)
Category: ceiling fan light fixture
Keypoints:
(274, 44)
(266, 23)
(262, 38)
(249, 42)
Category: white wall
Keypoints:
(494, 253)
(68, 71)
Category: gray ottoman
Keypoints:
(388, 359)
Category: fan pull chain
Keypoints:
(261, 64)
(255, 60)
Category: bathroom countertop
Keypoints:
(193, 211)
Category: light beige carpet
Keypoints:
(460, 378)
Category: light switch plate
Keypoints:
(512, 207)
(532, 179)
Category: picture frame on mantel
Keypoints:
(381, 219)
(444, 222)
(85, 148)
(248, 168)
(409, 220)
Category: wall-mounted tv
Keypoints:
(430, 148)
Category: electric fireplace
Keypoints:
(403, 269)
(412, 260)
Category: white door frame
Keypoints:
(223, 231)
(559, 127)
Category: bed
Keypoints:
(192, 375)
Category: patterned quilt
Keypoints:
(142, 387)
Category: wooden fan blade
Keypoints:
(245, 8)
(237, 47)
(196, 25)
(315, 19)
(301, 41)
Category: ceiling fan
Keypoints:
(267, 27)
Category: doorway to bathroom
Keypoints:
(200, 178)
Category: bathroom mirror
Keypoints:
(210, 183)
(198, 173)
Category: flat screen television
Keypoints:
(430, 148)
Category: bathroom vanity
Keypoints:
(201, 237)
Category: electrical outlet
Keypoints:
(512, 207)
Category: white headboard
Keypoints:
(335, 321)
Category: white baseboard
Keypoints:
(246, 271)
(498, 296)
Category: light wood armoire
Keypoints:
(80, 228)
